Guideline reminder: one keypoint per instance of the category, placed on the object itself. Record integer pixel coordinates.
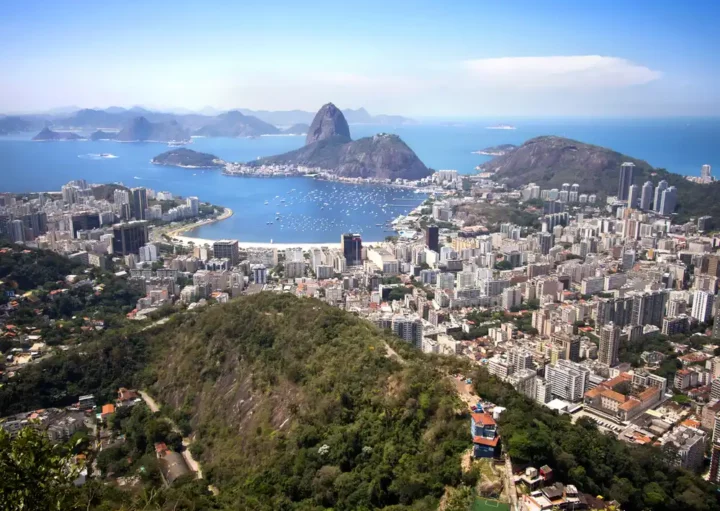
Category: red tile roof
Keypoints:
(492, 442)
(483, 418)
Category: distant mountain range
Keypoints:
(235, 123)
(328, 146)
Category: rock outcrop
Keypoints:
(329, 147)
(328, 123)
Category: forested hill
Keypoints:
(550, 161)
(297, 406)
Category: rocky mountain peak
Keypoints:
(328, 122)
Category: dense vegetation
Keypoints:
(639, 477)
(297, 406)
(182, 157)
(294, 405)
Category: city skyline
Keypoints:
(414, 59)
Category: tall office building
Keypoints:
(609, 344)
(139, 203)
(85, 221)
(668, 201)
(227, 249)
(432, 238)
(661, 187)
(646, 196)
(626, 179)
(702, 305)
(128, 237)
(633, 196)
(352, 248)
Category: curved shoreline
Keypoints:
(177, 233)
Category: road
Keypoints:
(186, 441)
(510, 489)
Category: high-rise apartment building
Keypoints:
(702, 305)
(609, 344)
(648, 308)
(646, 196)
(668, 201)
(661, 187)
(633, 196)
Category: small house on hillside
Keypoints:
(486, 440)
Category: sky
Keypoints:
(452, 59)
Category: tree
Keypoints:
(35, 474)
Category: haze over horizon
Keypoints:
(418, 59)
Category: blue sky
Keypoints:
(445, 59)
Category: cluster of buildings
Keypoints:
(553, 309)
(90, 223)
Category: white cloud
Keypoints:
(583, 71)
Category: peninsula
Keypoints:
(496, 150)
(328, 146)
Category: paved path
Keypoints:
(186, 441)
(510, 483)
(391, 353)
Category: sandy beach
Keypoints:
(177, 236)
(257, 244)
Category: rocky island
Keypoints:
(496, 150)
(140, 129)
(328, 146)
(187, 158)
(48, 135)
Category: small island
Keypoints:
(501, 127)
(496, 150)
(189, 159)
(48, 135)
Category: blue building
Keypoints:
(486, 441)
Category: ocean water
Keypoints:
(317, 211)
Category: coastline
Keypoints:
(184, 240)
(177, 232)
